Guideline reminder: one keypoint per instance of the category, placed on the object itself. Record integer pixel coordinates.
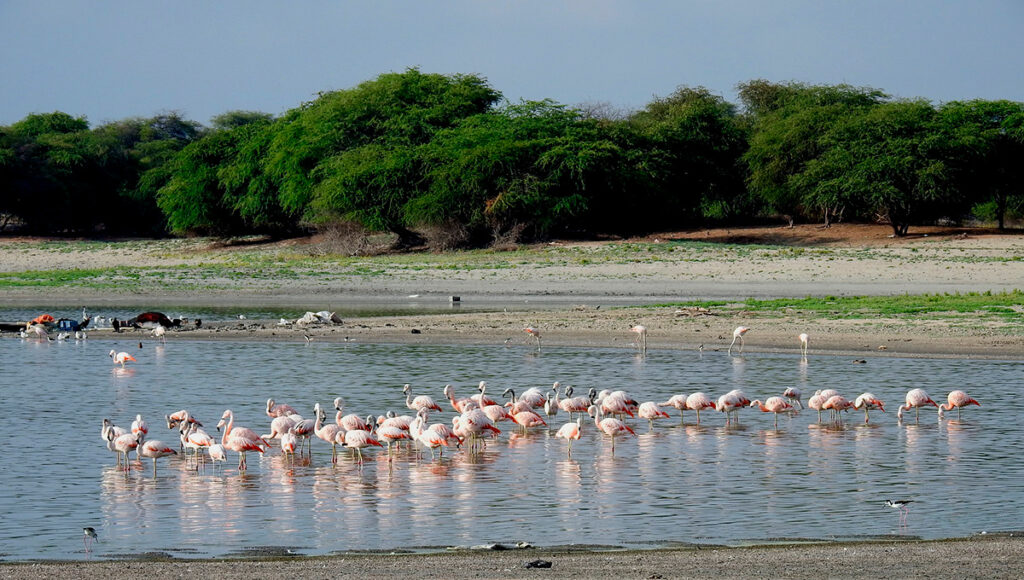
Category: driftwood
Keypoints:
(694, 311)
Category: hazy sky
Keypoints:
(110, 59)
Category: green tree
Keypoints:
(791, 126)
(987, 138)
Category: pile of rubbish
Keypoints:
(322, 317)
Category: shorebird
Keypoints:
(88, 535)
(900, 504)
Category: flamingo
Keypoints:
(217, 453)
(155, 449)
(108, 429)
(533, 397)
(482, 399)
(159, 332)
(609, 426)
(279, 426)
(428, 437)
(328, 433)
(281, 410)
(194, 438)
(120, 358)
(837, 404)
(394, 420)
(617, 403)
(534, 333)
(956, 399)
(676, 402)
(139, 427)
(350, 422)
(730, 403)
(239, 439)
(698, 402)
(641, 337)
(457, 404)
(474, 422)
(552, 405)
(816, 402)
(390, 434)
(419, 403)
(578, 405)
(773, 405)
(794, 394)
(738, 334)
(527, 419)
(868, 402)
(178, 416)
(289, 442)
(571, 432)
(915, 399)
(803, 343)
(650, 411)
(123, 445)
(304, 430)
(515, 405)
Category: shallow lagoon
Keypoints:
(690, 483)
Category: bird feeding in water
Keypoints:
(738, 334)
(88, 536)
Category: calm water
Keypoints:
(707, 483)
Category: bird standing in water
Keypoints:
(902, 505)
(88, 535)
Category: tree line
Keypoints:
(446, 160)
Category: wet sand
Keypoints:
(991, 556)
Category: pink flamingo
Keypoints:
(527, 419)
(328, 432)
(617, 403)
(837, 404)
(122, 444)
(428, 437)
(773, 405)
(393, 420)
(155, 449)
(281, 410)
(641, 337)
(738, 335)
(390, 434)
(217, 453)
(731, 403)
(289, 442)
(194, 438)
(571, 404)
(279, 426)
(815, 402)
(609, 426)
(475, 422)
(793, 394)
(420, 402)
(458, 405)
(139, 426)
(497, 413)
(571, 432)
(177, 417)
(650, 411)
(915, 399)
(698, 402)
(350, 422)
(120, 358)
(868, 402)
(956, 399)
(482, 399)
(676, 402)
(534, 333)
(239, 439)
(803, 343)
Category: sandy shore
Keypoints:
(994, 556)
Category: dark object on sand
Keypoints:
(537, 564)
(152, 319)
(115, 324)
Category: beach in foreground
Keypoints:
(990, 556)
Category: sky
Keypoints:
(110, 60)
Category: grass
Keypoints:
(1001, 305)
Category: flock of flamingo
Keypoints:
(477, 418)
